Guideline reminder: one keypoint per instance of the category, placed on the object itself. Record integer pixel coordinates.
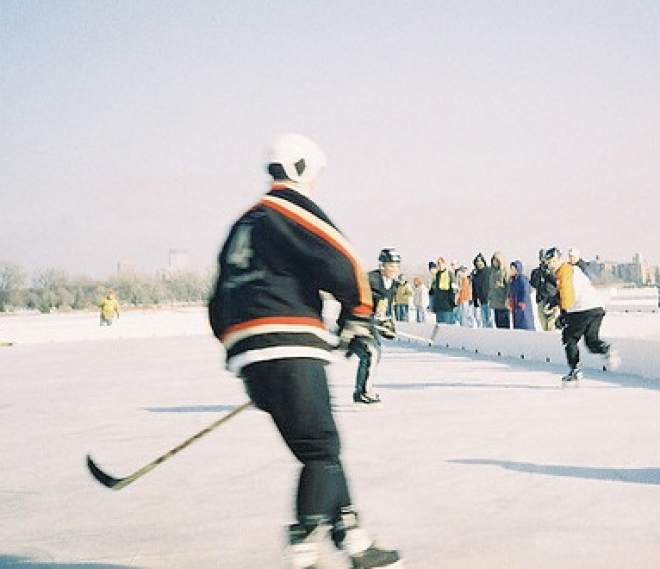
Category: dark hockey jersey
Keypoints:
(277, 258)
(383, 297)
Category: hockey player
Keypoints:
(266, 309)
(582, 312)
(368, 348)
(547, 298)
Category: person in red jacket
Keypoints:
(266, 310)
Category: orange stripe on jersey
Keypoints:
(287, 320)
(332, 236)
(275, 325)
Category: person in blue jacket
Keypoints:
(520, 292)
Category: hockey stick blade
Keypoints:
(105, 479)
(118, 483)
(401, 335)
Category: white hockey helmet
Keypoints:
(296, 158)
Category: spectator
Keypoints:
(444, 296)
(498, 291)
(521, 298)
(420, 299)
(453, 267)
(402, 298)
(433, 269)
(480, 287)
(464, 298)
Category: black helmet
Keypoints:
(551, 253)
(389, 255)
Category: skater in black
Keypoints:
(368, 348)
(582, 313)
(547, 298)
(266, 309)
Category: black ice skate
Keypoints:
(374, 556)
(572, 378)
(366, 398)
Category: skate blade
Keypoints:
(396, 565)
(348, 408)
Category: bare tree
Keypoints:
(51, 290)
(12, 279)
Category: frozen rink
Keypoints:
(473, 461)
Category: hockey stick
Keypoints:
(414, 338)
(119, 483)
(385, 331)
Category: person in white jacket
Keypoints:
(582, 315)
(420, 299)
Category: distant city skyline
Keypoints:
(119, 266)
(451, 128)
(178, 259)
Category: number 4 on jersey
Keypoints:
(240, 249)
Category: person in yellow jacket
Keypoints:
(109, 308)
(582, 314)
(402, 296)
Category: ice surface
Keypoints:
(473, 461)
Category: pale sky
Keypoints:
(128, 128)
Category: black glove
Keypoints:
(356, 327)
(561, 322)
(385, 327)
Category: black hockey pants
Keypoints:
(295, 393)
(583, 324)
(368, 352)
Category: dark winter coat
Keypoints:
(443, 299)
(498, 293)
(545, 282)
(276, 260)
(380, 292)
(480, 282)
(521, 300)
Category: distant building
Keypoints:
(125, 268)
(178, 260)
(637, 273)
